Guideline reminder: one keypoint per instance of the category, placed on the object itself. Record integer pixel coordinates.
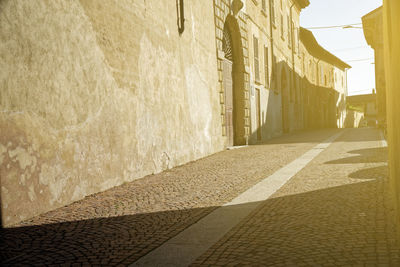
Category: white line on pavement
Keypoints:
(192, 242)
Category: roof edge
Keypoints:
(316, 50)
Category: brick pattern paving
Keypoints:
(122, 224)
(335, 212)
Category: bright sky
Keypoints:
(347, 44)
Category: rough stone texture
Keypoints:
(94, 95)
(337, 211)
(391, 26)
(237, 24)
(124, 223)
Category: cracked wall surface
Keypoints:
(93, 95)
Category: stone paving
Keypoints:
(120, 225)
(335, 212)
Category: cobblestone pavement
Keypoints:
(335, 212)
(120, 225)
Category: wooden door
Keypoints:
(228, 88)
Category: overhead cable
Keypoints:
(332, 27)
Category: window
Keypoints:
(292, 91)
(289, 34)
(256, 61)
(321, 74)
(266, 69)
(293, 36)
(282, 33)
(298, 39)
(273, 11)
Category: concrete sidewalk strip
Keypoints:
(191, 243)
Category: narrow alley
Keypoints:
(325, 201)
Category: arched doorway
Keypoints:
(233, 83)
(285, 101)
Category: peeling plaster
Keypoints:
(3, 150)
(23, 157)
(54, 178)
(89, 104)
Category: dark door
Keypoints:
(228, 87)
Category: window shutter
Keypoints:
(256, 60)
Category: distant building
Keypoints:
(367, 104)
(324, 83)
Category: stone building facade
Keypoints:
(324, 84)
(93, 95)
(373, 32)
(381, 28)
(391, 44)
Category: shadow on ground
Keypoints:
(309, 136)
(368, 155)
(371, 173)
(343, 226)
(104, 241)
(330, 224)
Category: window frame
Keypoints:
(256, 59)
(266, 66)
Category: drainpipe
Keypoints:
(181, 16)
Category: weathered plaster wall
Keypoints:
(96, 94)
(391, 28)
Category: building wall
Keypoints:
(93, 96)
(323, 96)
(373, 31)
(391, 26)
(262, 90)
(310, 99)
(230, 14)
(278, 104)
(341, 87)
